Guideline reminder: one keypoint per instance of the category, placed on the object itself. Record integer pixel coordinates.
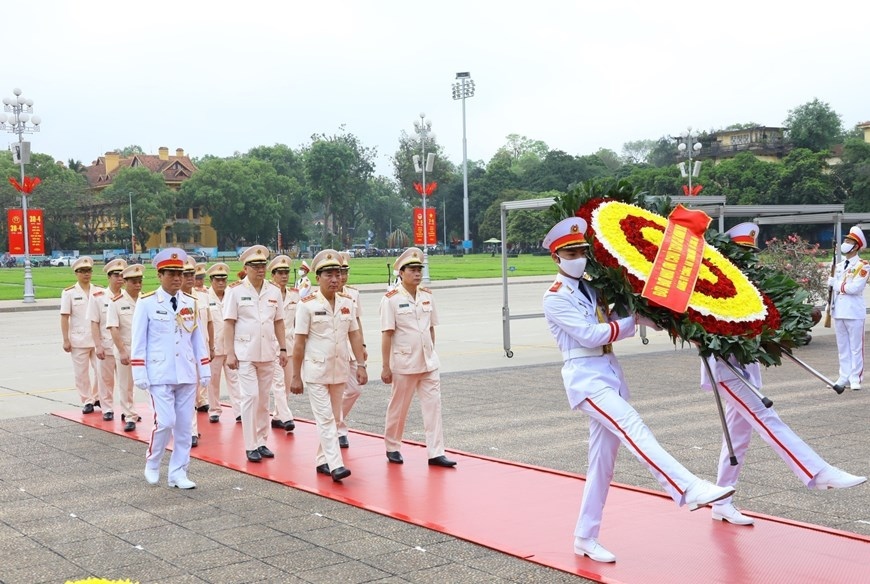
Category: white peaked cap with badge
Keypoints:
(256, 254)
(218, 269)
(413, 256)
(278, 262)
(855, 234)
(83, 262)
(567, 233)
(133, 271)
(116, 265)
(171, 258)
(327, 258)
(745, 234)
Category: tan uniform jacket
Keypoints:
(74, 302)
(326, 348)
(411, 320)
(98, 308)
(216, 310)
(120, 316)
(255, 315)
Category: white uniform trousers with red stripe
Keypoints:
(173, 411)
(745, 412)
(850, 349)
(613, 420)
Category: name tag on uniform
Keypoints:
(125, 308)
(405, 305)
(243, 298)
(212, 303)
(79, 298)
(272, 301)
(162, 312)
(320, 313)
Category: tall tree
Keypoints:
(637, 151)
(852, 176)
(130, 150)
(153, 202)
(814, 125)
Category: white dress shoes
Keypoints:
(182, 483)
(590, 547)
(152, 476)
(704, 492)
(832, 477)
(728, 512)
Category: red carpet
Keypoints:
(530, 512)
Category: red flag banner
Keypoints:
(675, 270)
(431, 227)
(15, 229)
(35, 231)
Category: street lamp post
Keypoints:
(462, 89)
(132, 233)
(423, 127)
(687, 148)
(20, 108)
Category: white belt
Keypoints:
(584, 352)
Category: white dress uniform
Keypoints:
(283, 375)
(324, 366)
(120, 316)
(168, 355)
(849, 311)
(352, 388)
(256, 348)
(414, 364)
(219, 363)
(98, 307)
(74, 304)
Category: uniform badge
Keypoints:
(555, 287)
(345, 310)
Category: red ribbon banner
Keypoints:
(431, 227)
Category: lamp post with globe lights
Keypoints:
(462, 89)
(423, 163)
(21, 107)
(688, 148)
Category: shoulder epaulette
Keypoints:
(147, 294)
(98, 293)
(117, 297)
(191, 296)
(556, 285)
(274, 284)
(343, 295)
(236, 283)
(426, 290)
(70, 288)
(392, 292)
(309, 297)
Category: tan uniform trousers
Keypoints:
(106, 380)
(280, 391)
(255, 381)
(352, 392)
(84, 358)
(428, 388)
(325, 402)
(219, 367)
(126, 390)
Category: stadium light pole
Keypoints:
(462, 89)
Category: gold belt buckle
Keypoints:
(607, 349)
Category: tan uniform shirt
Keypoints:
(74, 302)
(204, 315)
(98, 307)
(410, 319)
(327, 348)
(120, 316)
(291, 302)
(255, 315)
(216, 313)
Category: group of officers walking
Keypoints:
(268, 339)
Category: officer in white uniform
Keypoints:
(78, 339)
(745, 412)
(410, 363)
(254, 339)
(325, 321)
(98, 308)
(119, 322)
(303, 283)
(282, 417)
(218, 275)
(352, 389)
(168, 357)
(595, 385)
(849, 309)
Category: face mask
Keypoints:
(573, 268)
(846, 247)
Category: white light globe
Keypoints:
(36, 120)
(21, 100)
(29, 102)
(681, 147)
(16, 91)
(2, 118)
(7, 101)
(697, 146)
(23, 118)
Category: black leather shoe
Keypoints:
(194, 441)
(265, 452)
(97, 404)
(340, 473)
(253, 455)
(395, 457)
(276, 423)
(214, 418)
(323, 469)
(129, 426)
(109, 416)
(238, 419)
(441, 461)
(343, 442)
(88, 409)
(289, 426)
(202, 408)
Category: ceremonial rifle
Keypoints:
(831, 288)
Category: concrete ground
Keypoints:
(73, 502)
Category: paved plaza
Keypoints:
(73, 502)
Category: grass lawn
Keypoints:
(49, 282)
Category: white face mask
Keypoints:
(573, 268)
(846, 247)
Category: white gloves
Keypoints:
(647, 322)
(142, 384)
(832, 282)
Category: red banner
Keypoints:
(35, 231)
(675, 270)
(431, 227)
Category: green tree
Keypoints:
(130, 150)
(743, 180)
(609, 159)
(805, 180)
(294, 204)
(384, 211)
(153, 202)
(637, 151)
(852, 176)
(814, 125)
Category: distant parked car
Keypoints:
(198, 258)
(62, 261)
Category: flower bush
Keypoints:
(796, 258)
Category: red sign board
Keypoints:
(431, 227)
(35, 231)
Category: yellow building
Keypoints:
(175, 170)
(767, 144)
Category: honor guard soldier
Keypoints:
(744, 412)
(218, 275)
(254, 340)
(98, 308)
(119, 322)
(303, 283)
(352, 390)
(849, 309)
(169, 358)
(325, 321)
(410, 364)
(282, 417)
(78, 339)
(595, 385)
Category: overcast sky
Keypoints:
(218, 77)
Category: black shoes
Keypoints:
(202, 408)
(214, 418)
(238, 419)
(442, 461)
(88, 409)
(253, 455)
(109, 416)
(340, 473)
(265, 452)
(97, 404)
(129, 426)
(396, 457)
(194, 441)
(323, 469)
(343, 442)
(289, 426)
(276, 423)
